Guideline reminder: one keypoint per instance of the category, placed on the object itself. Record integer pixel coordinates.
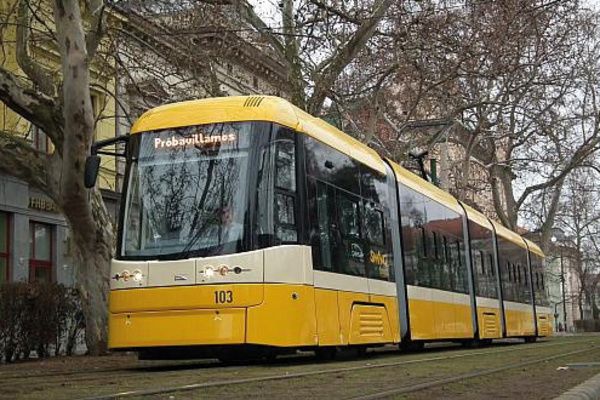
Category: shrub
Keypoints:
(587, 325)
(41, 317)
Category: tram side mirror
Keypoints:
(92, 166)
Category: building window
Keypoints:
(4, 246)
(40, 140)
(40, 257)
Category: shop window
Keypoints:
(4, 246)
(40, 257)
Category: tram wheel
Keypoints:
(411, 346)
(326, 353)
(471, 343)
(530, 339)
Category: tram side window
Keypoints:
(541, 297)
(321, 224)
(432, 243)
(374, 224)
(379, 260)
(329, 165)
(479, 262)
(460, 272)
(264, 196)
(286, 230)
(336, 232)
(350, 257)
(377, 233)
(508, 279)
(412, 217)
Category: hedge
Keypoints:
(42, 319)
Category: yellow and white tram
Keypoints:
(248, 224)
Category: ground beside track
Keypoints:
(79, 377)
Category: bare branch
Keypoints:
(335, 11)
(248, 14)
(32, 105)
(41, 77)
(581, 154)
(334, 66)
(22, 161)
(97, 22)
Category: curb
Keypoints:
(588, 390)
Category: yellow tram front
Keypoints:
(208, 255)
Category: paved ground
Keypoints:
(80, 377)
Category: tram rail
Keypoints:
(371, 365)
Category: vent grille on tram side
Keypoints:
(253, 101)
(490, 328)
(371, 324)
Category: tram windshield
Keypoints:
(187, 192)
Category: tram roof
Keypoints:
(477, 217)
(256, 108)
(509, 235)
(534, 248)
(419, 184)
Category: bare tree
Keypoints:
(579, 219)
(518, 80)
(62, 108)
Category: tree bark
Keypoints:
(92, 259)
(85, 211)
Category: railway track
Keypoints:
(389, 392)
(458, 378)
(196, 365)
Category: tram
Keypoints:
(250, 226)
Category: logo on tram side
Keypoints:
(194, 140)
(377, 258)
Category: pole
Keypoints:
(562, 281)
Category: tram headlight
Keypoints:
(125, 275)
(137, 275)
(209, 272)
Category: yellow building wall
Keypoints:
(44, 52)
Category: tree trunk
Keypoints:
(93, 244)
(84, 209)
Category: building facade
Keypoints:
(34, 242)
